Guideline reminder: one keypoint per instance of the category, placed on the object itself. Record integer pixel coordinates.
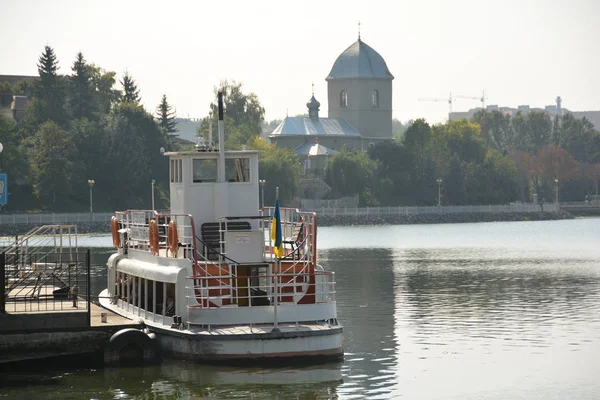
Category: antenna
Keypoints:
(359, 29)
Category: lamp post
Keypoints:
(557, 204)
(439, 182)
(153, 183)
(91, 184)
(262, 192)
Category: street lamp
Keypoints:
(91, 184)
(153, 183)
(557, 204)
(439, 182)
(262, 192)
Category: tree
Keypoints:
(81, 100)
(131, 93)
(534, 130)
(165, 117)
(496, 130)
(52, 166)
(349, 173)
(242, 108)
(134, 157)
(576, 136)
(497, 179)
(104, 93)
(392, 172)
(416, 141)
(12, 160)
(50, 87)
(279, 168)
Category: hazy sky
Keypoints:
(519, 52)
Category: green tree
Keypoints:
(534, 130)
(243, 108)
(165, 116)
(81, 99)
(134, 157)
(496, 130)
(576, 136)
(50, 88)
(103, 83)
(52, 166)
(279, 168)
(349, 173)
(131, 93)
(497, 180)
(416, 140)
(392, 172)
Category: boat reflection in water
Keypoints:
(190, 380)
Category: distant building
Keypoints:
(12, 106)
(552, 110)
(359, 91)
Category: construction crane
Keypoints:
(481, 99)
(450, 100)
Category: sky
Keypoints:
(519, 52)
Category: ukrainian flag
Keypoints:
(276, 232)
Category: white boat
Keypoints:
(204, 278)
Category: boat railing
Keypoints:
(134, 231)
(262, 290)
(291, 218)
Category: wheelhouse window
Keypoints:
(344, 99)
(237, 169)
(204, 170)
(176, 171)
(375, 98)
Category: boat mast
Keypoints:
(221, 169)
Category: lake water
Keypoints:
(450, 311)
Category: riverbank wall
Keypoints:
(441, 218)
(349, 220)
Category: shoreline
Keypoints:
(8, 230)
(447, 218)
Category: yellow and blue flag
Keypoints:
(276, 232)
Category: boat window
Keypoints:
(205, 170)
(176, 176)
(179, 169)
(237, 169)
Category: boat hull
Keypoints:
(306, 342)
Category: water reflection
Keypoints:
(182, 380)
(365, 298)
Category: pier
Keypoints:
(46, 309)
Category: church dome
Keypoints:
(360, 61)
(313, 103)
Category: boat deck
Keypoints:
(262, 329)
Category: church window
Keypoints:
(375, 98)
(344, 99)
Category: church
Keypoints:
(359, 97)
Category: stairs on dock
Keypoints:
(39, 263)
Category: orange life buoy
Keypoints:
(172, 237)
(153, 236)
(114, 225)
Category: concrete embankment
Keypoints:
(453, 218)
